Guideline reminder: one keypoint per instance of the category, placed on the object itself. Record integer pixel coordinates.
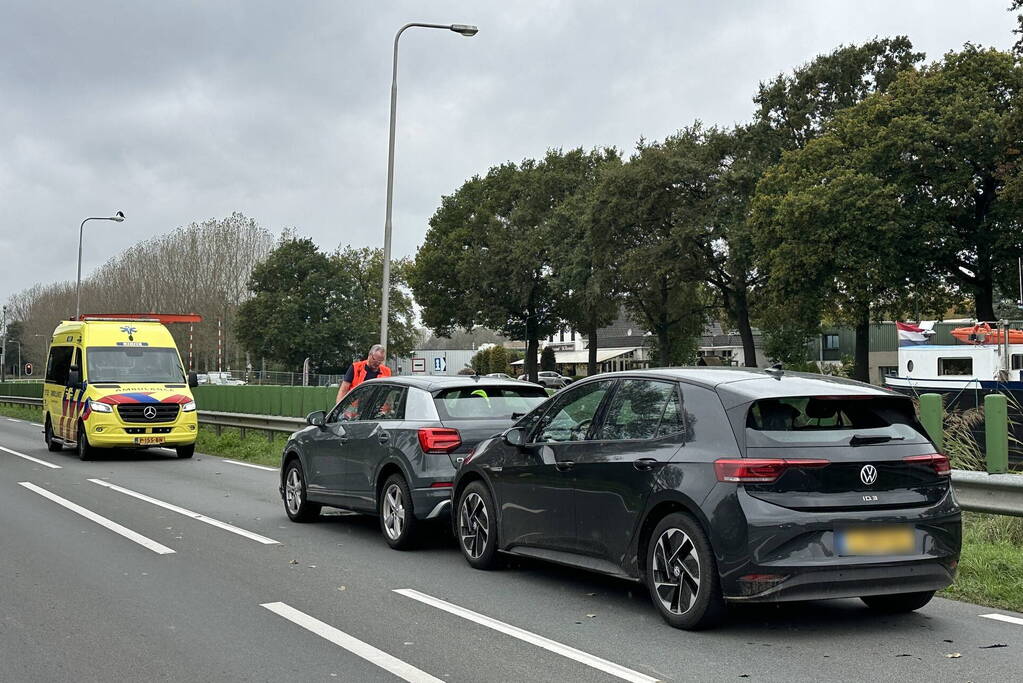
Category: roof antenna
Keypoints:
(775, 371)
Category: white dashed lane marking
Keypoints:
(249, 464)
(401, 669)
(1004, 617)
(532, 638)
(157, 548)
(188, 513)
(29, 457)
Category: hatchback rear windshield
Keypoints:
(487, 403)
(133, 364)
(825, 420)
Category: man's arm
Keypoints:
(345, 387)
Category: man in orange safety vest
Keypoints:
(361, 370)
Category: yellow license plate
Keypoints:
(148, 440)
(896, 540)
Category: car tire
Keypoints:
(476, 526)
(397, 518)
(85, 451)
(897, 603)
(185, 451)
(682, 574)
(52, 444)
(296, 503)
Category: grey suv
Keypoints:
(391, 447)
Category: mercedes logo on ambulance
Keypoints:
(150, 414)
(868, 474)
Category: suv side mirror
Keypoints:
(516, 436)
(193, 379)
(316, 418)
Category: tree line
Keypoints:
(868, 185)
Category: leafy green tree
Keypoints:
(642, 203)
(590, 300)
(490, 249)
(307, 303)
(547, 360)
(499, 360)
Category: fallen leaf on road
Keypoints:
(341, 588)
(293, 562)
(993, 645)
(953, 655)
(591, 615)
(948, 641)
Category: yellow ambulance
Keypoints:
(117, 381)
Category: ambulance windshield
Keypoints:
(122, 364)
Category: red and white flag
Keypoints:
(911, 335)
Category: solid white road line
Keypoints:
(249, 464)
(157, 548)
(188, 513)
(29, 457)
(371, 654)
(11, 419)
(1004, 617)
(516, 632)
(36, 424)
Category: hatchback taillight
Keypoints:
(439, 439)
(938, 462)
(759, 470)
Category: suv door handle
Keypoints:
(564, 465)
(644, 464)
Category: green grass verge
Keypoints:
(991, 562)
(254, 448)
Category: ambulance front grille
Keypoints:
(137, 412)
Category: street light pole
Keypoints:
(118, 217)
(385, 294)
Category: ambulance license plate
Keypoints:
(891, 540)
(148, 440)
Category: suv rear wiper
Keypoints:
(860, 440)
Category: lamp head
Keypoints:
(118, 217)
(464, 29)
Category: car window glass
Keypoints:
(484, 402)
(636, 409)
(59, 364)
(389, 404)
(673, 419)
(351, 406)
(572, 414)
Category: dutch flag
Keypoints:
(911, 335)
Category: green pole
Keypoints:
(996, 432)
(932, 416)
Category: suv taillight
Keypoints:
(759, 470)
(439, 439)
(938, 462)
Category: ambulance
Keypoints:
(116, 381)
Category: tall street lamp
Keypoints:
(118, 217)
(468, 32)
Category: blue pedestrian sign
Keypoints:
(440, 364)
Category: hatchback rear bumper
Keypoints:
(786, 554)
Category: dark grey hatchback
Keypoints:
(391, 447)
(719, 485)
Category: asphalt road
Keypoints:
(204, 578)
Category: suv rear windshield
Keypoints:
(825, 420)
(133, 364)
(487, 403)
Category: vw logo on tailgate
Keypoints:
(868, 474)
(149, 412)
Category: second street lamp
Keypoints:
(462, 29)
(118, 217)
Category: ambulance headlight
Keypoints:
(188, 407)
(100, 407)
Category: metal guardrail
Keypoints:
(999, 494)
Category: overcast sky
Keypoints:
(175, 112)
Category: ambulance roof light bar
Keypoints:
(164, 318)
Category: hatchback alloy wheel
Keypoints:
(676, 571)
(396, 518)
(296, 504)
(473, 525)
(682, 574)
